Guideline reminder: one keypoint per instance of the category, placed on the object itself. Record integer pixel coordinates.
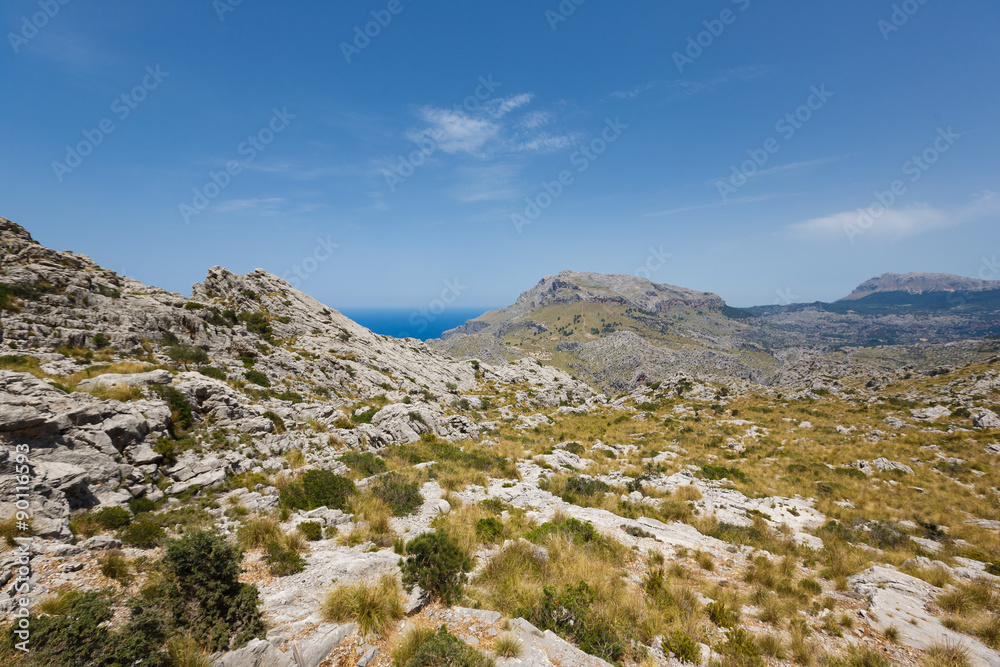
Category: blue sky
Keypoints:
(375, 176)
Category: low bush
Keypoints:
(282, 562)
(318, 488)
(257, 377)
(313, 530)
(740, 649)
(143, 533)
(365, 464)
(569, 613)
(213, 372)
(683, 647)
(204, 593)
(722, 614)
(112, 518)
(181, 413)
(443, 649)
(140, 505)
(401, 495)
(279, 423)
(436, 564)
(489, 530)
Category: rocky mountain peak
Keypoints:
(633, 291)
(921, 283)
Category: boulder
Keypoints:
(130, 380)
(930, 414)
(986, 419)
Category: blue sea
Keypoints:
(412, 322)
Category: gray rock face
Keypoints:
(986, 419)
(134, 380)
(930, 414)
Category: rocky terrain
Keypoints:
(795, 506)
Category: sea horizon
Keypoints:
(417, 323)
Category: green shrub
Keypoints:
(722, 615)
(101, 341)
(80, 637)
(257, 377)
(140, 505)
(283, 562)
(365, 464)
(364, 416)
(313, 530)
(187, 354)
(722, 472)
(213, 372)
(682, 646)
(318, 488)
(401, 495)
(581, 490)
(489, 530)
(741, 649)
(166, 448)
(143, 533)
(257, 323)
(569, 614)
(580, 532)
(180, 410)
(443, 649)
(279, 423)
(437, 564)
(112, 518)
(204, 594)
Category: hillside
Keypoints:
(622, 331)
(246, 478)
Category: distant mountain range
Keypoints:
(617, 330)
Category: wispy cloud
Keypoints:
(896, 224)
(489, 182)
(494, 130)
(718, 204)
(679, 89)
(265, 206)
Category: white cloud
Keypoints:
(875, 221)
(455, 131)
(534, 120)
(268, 204)
(491, 131)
